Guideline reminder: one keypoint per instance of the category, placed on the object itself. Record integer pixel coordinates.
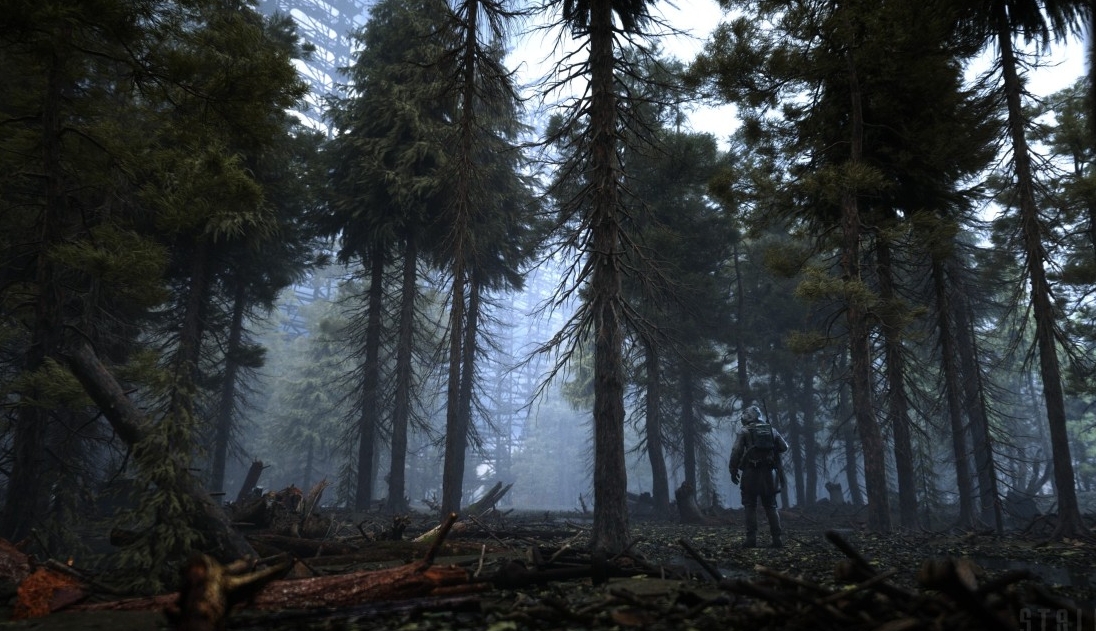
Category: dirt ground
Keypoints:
(678, 576)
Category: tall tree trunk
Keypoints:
(688, 425)
(897, 398)
(610, 527)
(456, 429)
(226, 405)
(181, 421)
(368, 415)
(852, 478)
(405, 346)
(810, 430)
(660, 485)
(795, 438)
(952, 392)
(974, 402)
(27, 500)
(1034, 454)
(772, 413)
(740, 330)
(456, 437)
(468, 367)
(867, 427)
(1070, 523)
(847, 432)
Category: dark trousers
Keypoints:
(759, 483)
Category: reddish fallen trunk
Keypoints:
(406, 581)
(344, 590)
(211, 590)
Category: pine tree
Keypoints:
(387, 161)
(597, 208)
(1001, 22)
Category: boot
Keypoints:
(774, 526)
(751, 527)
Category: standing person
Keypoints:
(756, 454)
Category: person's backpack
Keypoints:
(760, 443)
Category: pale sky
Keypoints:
(534, 54)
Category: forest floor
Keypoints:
(831, 574)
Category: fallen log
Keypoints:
(132, 427)
(250, 481)
(46, 590)
(489, 499)
(210, 590)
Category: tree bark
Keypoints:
(226, 406)
(1070, 523)
(468, 364)
(867, 427)
(974, 402)
(368, 416)
(847, 432)
(250, 481)
(897, 397)
(405, 375)
(455, 436)
(952, 395)
(688, 426)
(740, 328)
(610, 527)
(810, 440)
(660, 485)
(189, 350)
(27, 500)
(795, 438)
(460, 360)
(131, 427)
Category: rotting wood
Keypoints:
(46, 590)
(312, 500)
(478, 508)
(687, 508)
(251, 480)
(210, 589)
(489, 500)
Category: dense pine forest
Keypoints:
(453, 279)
